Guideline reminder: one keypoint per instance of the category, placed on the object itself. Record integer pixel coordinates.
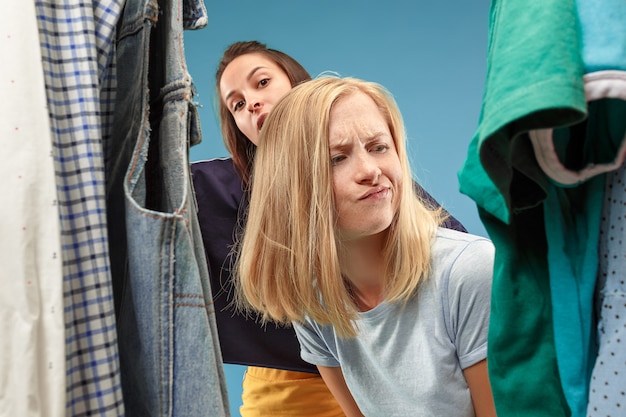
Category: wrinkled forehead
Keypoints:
(356, 113)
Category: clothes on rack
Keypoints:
(535, 169)
(169, 350)
(584, 151)
(32, 364)
(77, 48)
(83, 117)
(607, 393)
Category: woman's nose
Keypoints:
(368, 169)
(254, 104)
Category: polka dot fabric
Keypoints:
(607, 396)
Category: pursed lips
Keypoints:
(375, 192)
(260, 121)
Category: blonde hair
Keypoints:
(289, 260)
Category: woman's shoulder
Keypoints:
(462, 257)
(215, 173)
(217, 183)
(450, 239)
(213, 167)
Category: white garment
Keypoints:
(32, 345)
(607, 393)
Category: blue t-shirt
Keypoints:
(409, 360)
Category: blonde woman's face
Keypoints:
(366, 170)
(250, 86)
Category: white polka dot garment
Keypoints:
(607, 396)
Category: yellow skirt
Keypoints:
(273, 392)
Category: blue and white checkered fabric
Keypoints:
(78, 55)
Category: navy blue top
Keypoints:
(244, 341)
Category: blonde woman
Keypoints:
(391, 308)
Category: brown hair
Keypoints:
(239, 146)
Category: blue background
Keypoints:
(431, 55)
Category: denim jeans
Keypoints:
(170, 359)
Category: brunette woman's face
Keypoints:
(250, 87)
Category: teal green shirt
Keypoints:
(534, 81)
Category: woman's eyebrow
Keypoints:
(250, 75)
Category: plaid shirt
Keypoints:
(78, 56)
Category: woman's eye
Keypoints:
(336, 159)
(238, 105)
(380, 148)
(264, 82)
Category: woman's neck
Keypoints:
(362, 266)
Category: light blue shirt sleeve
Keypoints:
(469, 296)
(313, 346)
